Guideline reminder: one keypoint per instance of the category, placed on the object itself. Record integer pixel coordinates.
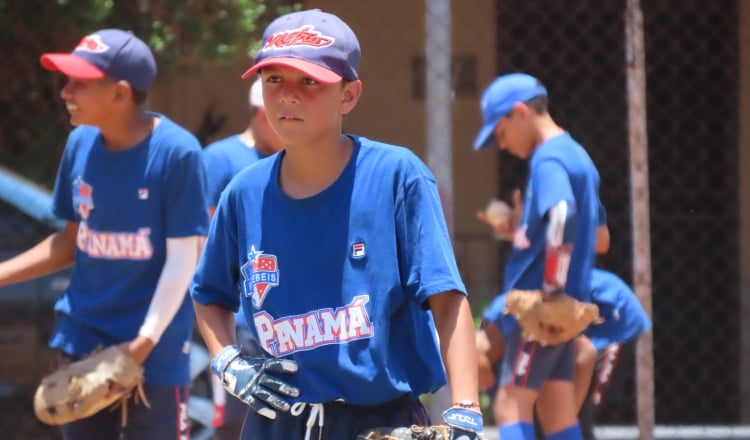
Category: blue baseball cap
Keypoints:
(498, 100)
(110, 52)
(315, 42)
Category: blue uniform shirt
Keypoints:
(224, 159)
(560, 169)
(337, 281)
(127, 203)
(624, 316)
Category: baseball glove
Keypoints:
(550, 319)
(85, 387)
(415, 432)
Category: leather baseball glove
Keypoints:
(550, 319)
(83, 388)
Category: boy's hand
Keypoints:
(249, 379)
(503, 218)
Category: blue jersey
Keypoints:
(560, 170)
(127, 203)
(337, 281)
(224, 159)
(624, 316)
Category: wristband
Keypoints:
(468, 404)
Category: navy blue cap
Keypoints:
(498, 100)
(315, 42)
(110, 52)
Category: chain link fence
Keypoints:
(576, 47)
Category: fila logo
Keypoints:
(142, 193)
(358, 250)
(522, 365)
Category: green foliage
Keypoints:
(185, 35)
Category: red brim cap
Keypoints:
(71, 65)
(315, 71)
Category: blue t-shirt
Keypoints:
(560, 169)
(127, 203)
(624, 317)
(224, 159)
(337, 281)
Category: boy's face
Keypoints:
(266, 140)
(300, 109)
(513, 132)
(88, 101)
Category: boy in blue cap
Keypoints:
(553, 250)
(131, 187)
(338, 252)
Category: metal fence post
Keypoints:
(638, 141)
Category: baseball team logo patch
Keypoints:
(302, 36)
(92, 43)
(260, 273)
(83, 200)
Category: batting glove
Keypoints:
(249, 379)
(466, 424)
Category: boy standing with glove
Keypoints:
(339, 249)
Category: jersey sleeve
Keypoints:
(217, 275)
(62, 197)
(185, 195)
(426, 259)
(550, 185)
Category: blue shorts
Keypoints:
(529, 365)
(167, 419)
(341, 421)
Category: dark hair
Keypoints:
(539, 104)
(139, 97)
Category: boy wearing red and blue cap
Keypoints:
(345, 269)
(131, 187)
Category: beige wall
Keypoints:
(391, 33)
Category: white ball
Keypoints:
(498, 212)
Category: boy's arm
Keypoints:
(455, 329)
(216, 325)
(179, 265)
(54, 253)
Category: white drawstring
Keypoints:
(316, 411)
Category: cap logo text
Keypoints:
(92, 43)
(303, 36)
